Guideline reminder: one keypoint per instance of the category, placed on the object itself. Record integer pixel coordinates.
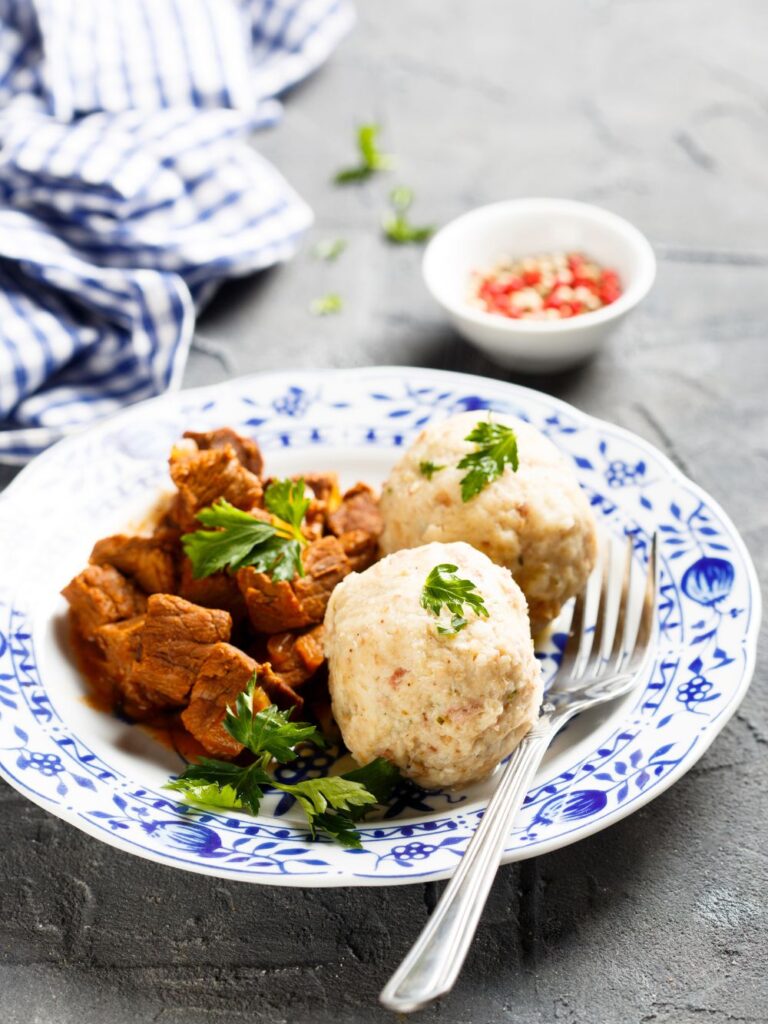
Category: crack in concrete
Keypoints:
(528, 917)
(183, 1012)
(444, 76)
(754, 730)
(698, 156)
(724, 257)
(711, 769)
(81, 905)
(216, 350)
(704, 1011)
(666, 439)
(602, 130)
(431, 896)
(744, 85)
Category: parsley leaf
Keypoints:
(371, 157)
(331, 804)
(287, 500)
(223, 784)
(329, 249)
(350, 795)
(340, 827)
(214, 794)
(326, 304)
(316, 795)
(428, 469)
(269, 731)
(397, 227)
(458, 622)
(239, 539)
(378, 776)
(444, 589)
(496, 448)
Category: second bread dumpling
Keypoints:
(444, 695)
(535, 520)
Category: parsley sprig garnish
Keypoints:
(332, 804)
(371, 157)
(397, 227)
(444, 589)
(428, 469)
(287, 500)
(236, 538)
(496, 448)
(325, 305)
(329, 249)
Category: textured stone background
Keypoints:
(658, 110)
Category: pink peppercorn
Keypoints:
(570, 284)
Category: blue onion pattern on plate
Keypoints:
(106, 777)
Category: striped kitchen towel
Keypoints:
(129, 190)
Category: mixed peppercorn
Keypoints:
(546, 287)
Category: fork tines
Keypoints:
(610, 628)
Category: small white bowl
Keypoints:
(526, 227)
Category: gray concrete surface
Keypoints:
(658, 110)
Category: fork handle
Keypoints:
(433, 964)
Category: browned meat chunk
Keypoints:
(100, 594)
(361, 548)
(248, 452)
(326, 565)
(359, 510)
(169, 524)
(175, 641)
(275, 606)
(147, 560)
(279, 690)
(120, 646)
(222, 677)
(90, 661)
(219, 590)
(325, 487)
(314, 519)
(167, 532)
(309, 647)
(283, 657)
(272, 605)
(296, 656)
(204, 476)
(321, 710)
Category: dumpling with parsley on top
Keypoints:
(500, 485)
(431, 663)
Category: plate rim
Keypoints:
(467, 379)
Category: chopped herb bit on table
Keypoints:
(326, 304)
(397, 227)
(329, 249)
(372, 159)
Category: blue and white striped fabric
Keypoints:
(128, 188)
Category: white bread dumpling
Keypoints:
(536, 521)
(445, 709)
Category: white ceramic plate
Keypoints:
(106, 777)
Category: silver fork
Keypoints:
(622, 646)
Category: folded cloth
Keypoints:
(129, 191)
